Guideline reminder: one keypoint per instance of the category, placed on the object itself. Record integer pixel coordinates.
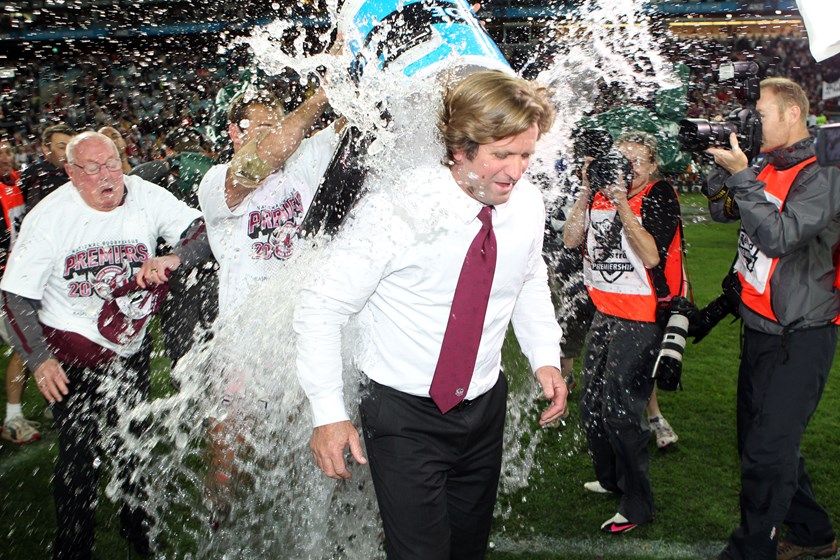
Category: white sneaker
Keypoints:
(596, 487)
(665, 436)
(19, 430)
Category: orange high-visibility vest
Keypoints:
(754, 267)
(617, 280)
(12, 203)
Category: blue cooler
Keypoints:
(416, 38)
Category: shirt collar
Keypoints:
(462, 205)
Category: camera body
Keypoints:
(697, 135)
(608, 167)
(590, 142)
(828, 145)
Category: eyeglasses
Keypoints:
(93, 168)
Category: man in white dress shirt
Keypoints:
(436, 466)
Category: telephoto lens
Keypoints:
(668, 367)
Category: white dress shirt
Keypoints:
(396, 263)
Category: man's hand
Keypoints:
(51, 380)
(554, 388)
(156, 271)
(734, 160)
(328, 444)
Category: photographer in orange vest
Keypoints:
(629, 221)
(790, 226)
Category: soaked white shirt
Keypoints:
(396, 264)
(70, 256)
(254, 240)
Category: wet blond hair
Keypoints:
(789, 94)
(490, 105)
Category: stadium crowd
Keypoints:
(146, 93)
(776, 56)
(139, 98)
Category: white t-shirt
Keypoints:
(70, 256)
(253, 240)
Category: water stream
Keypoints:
(282, 506)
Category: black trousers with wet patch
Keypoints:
(780, 382)
(435, 475)
(96, 397)
(615, 391)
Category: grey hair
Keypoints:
(644, 139)
(83, 137)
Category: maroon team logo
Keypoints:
(276, 229)
(110, 278)
(99, 270)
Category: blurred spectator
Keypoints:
(8, 175)
(47, 174)
(119, 142)
(16, 428)
(186, 160)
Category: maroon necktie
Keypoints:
(466, 318)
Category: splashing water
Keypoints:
(280, 505)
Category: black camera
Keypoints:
(828, 145)
(609, 167)
(590, 142)
(697, 135)
(727, 303)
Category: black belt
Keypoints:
(464, 404)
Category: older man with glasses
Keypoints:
(80, 336)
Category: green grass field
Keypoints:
(695, 484)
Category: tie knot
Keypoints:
(486, 216)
